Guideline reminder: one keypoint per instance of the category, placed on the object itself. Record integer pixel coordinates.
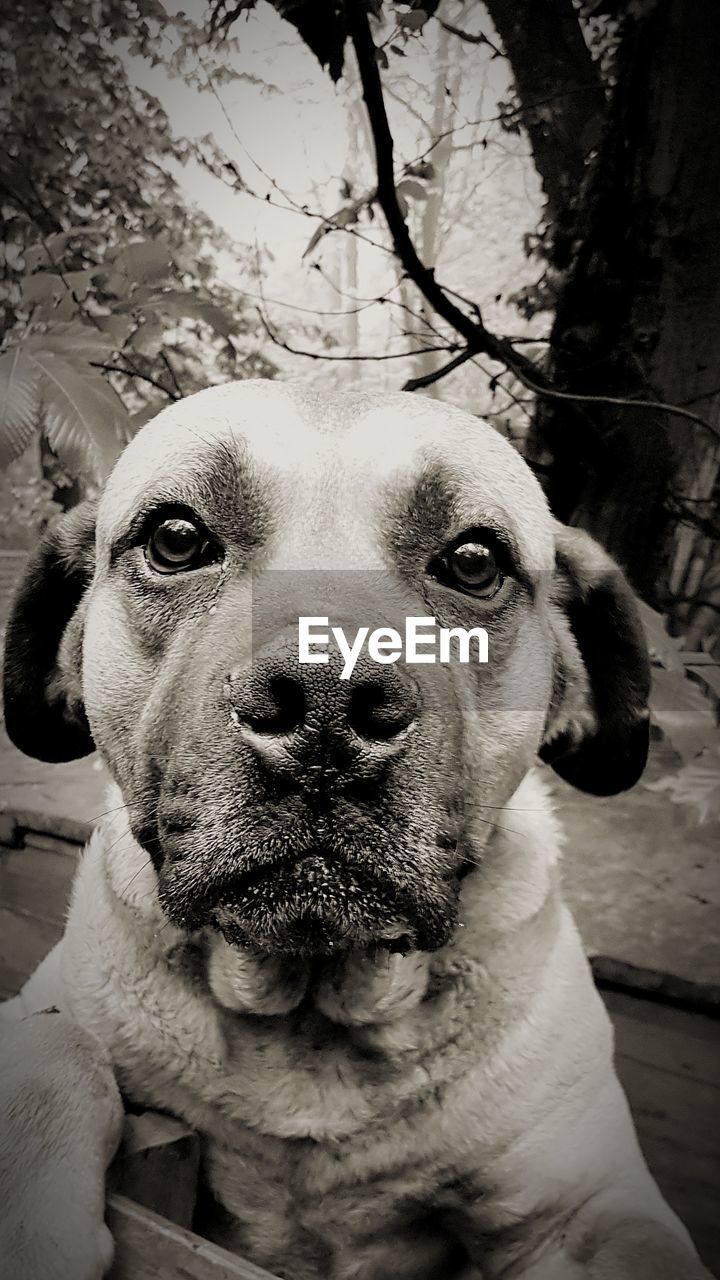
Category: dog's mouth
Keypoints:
(316, 904)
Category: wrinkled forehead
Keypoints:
(350, 458)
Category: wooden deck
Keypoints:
(669, 1063)
(668, 1057)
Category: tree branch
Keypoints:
(427, 379)
(477, 338)
(475, 335)
(468, 38)
(134, 373)
(327, 355)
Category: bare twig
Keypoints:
(135, 373)
(166, 361)
(327, 355)
(427, 379)
(319, 311)
(623, 402)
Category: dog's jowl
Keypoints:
(388, 1037)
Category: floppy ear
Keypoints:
(598, 732)
(43, 704)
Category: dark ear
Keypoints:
(44, 712)
(598, 732)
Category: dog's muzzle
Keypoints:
(316, 837)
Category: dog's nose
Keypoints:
(292, 712)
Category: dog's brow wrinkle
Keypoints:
(218, 484)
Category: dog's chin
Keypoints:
(299, 930)
(314, 908)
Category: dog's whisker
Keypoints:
(107, 813)
(503, 808)
(133, 878)
(497, 826)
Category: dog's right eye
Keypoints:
(177, 544)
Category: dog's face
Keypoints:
(297, 811)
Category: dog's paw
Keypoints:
(35, 1247)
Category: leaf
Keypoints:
(345, 217)
(78, 282)
(75, 340)
(663, 647)
(707, 673)
(183, 304)
(43, 289)
(682, 713)
(117, 328)
(408, 187)
(421, 169)
(147, 339)
(414, 21)
(19, 405)
(53, 247)
(142, 261)
(696, 785)
(85, 421)
(322, 26)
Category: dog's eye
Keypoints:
(472, 567)
(176, 544)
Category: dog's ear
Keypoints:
(598, 731)
(43, 703)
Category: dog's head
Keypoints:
(295, 810)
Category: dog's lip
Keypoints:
(311, 859)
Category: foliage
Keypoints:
(26, 504)
(683, 706)
(110, 303)
(322, 24)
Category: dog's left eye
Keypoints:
(471, 567)
(176, 544)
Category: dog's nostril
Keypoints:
(376, 712)
(279, 708)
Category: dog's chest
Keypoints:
(292, 1077)
(294, 1119)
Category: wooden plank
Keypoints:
(632, 980)
(37, 882)
(668, 1061)
(147, 1247)
(52, 844)
(157, 1166)
(684, 1044)
(56, 825)
(24, 942)
(670, 1019)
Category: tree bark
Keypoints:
(562, 99)
(639, 313)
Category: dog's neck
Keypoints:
(509, 904)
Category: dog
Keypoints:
(322, 921)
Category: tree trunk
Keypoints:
(639, 314)
(562, 100)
